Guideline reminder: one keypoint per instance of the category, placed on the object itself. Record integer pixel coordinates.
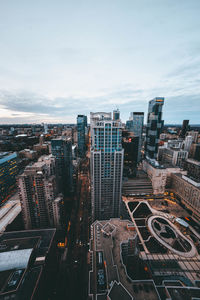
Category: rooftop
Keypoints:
(20, 263)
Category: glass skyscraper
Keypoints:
(154, 127)
(135, 125)
(81, 125)
(61, 148)
(106, 165)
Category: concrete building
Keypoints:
(8, 173)
(154, 127)
(106, 164)
(189, 192)
(160, 176)
(136, 126)
(188, 142)
(61, 148)
(193, 169)
(27, 153)
(38, 192)
(172, 156)
(194, 134)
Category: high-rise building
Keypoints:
(154, 127)
(130, 145)
(81, 125)
(106, 165)
(38, 194)
(61, 148)
(188, 142)
(185, 128)
(136, 126)
(116, 115)
(8, 172)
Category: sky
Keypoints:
(62, 58)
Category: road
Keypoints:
(74, 269)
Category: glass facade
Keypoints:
(62, 150)
(8, 173)
(81, 124)
(154, 127)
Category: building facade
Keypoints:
(8, 173)
(116, 115)
(154, 127)
(136, 126)
(106, 165)
(38, 194)
(185, 128)
(81, 125)
(188, 192)
(61, 148)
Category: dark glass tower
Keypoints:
(154, 127)
(81, 124)
(61, 148)
(185, 128)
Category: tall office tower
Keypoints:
(81, 124)
(154, 127)
(61, 148)
(136, 126)
(106, 165)
(8, 172)
(116, 115)
(188, 142)
(185, 128)
(38, 194)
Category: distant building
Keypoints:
(106, 165)
(154, 127)
(188, 143)
(136, 126)
(185, 128)
(81, 124)
(172, 156)
(28, 264)
(38, 195)
(8, 173)
(116, 115)
(194, 134)
(61, 148)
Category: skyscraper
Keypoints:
(154, 127)
(61, 148)
(116, 115)
(136, 126)
(185, 128)
(38, 194)
(81, 124)
(106, 165)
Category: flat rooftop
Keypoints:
(20, 261)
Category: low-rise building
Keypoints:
(160, 175)
(189, 192)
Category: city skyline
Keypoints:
(60, 59)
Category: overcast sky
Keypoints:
(60, 58)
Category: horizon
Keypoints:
(60, 59)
